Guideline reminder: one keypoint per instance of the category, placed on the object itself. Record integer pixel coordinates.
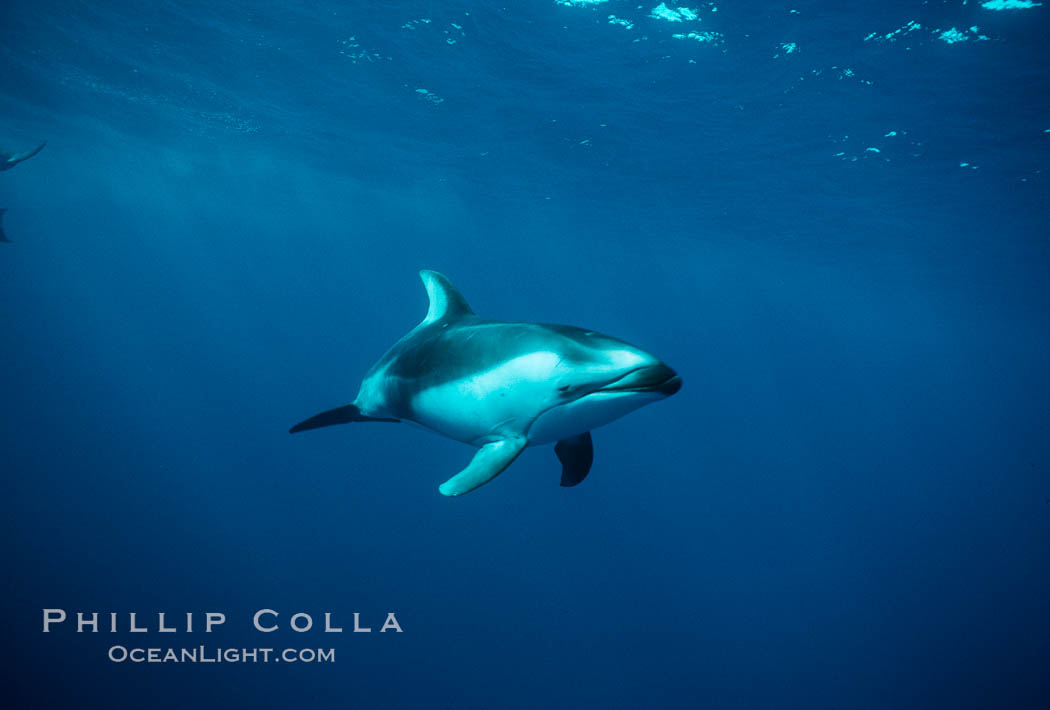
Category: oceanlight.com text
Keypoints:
(204, 654)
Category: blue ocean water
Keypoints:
(830, 219)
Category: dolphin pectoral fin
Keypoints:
(576, 455)
(489, 462)
(339, 415)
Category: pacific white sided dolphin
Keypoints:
(503, 386)
(10, 160)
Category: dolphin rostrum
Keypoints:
(503, 386)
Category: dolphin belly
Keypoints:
(584, 414)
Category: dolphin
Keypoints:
(503, 386)
(10, 160)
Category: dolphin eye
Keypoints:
(565, 388)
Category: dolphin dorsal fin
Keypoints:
(446, 303)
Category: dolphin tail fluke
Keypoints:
(3, 237)
(339, 415)
(490, 461)
(576, 456)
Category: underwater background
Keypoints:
(830, 219)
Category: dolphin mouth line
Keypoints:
(674, 382)
(669, 383)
